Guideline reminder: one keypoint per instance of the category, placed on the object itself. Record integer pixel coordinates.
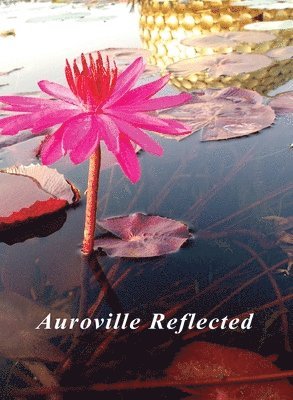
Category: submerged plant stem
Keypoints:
(154, 384)
(92, 202)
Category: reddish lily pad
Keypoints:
(19, 340)
(224, 114)
(203, 361)
(283, 103)
(32, 191)
(140, 235)
(228, 39)
(281, 54)
(217, 65)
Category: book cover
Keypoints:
(146, 218)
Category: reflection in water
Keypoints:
(42, 227)
(92, 266)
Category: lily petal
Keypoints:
(176, 128)
(158, 103)
(75, 130)
(140, 137)
(52, 149)
(70, 78)
(37, 122)
(152, 123)
(16, 123)
(58, 91)
(51, 118)
(128, 159)
(87, 145)
(143, 92)
(126, 80)
(109, 132)
(27, 104)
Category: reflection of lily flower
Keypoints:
(99, 104)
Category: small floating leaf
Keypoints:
(203, 361)
(19, 339)
(140, 235)
(281, 54)
(283, 103)
(32, 191)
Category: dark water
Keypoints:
(227, 177)
(222, 191)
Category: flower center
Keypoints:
(94, 82)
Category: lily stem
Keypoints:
(92, 202)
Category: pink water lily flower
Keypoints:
(99, 104)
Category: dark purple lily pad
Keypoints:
(217, 65)
(140, 235)
(283, 103)
(224, 114)
(19, 340)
